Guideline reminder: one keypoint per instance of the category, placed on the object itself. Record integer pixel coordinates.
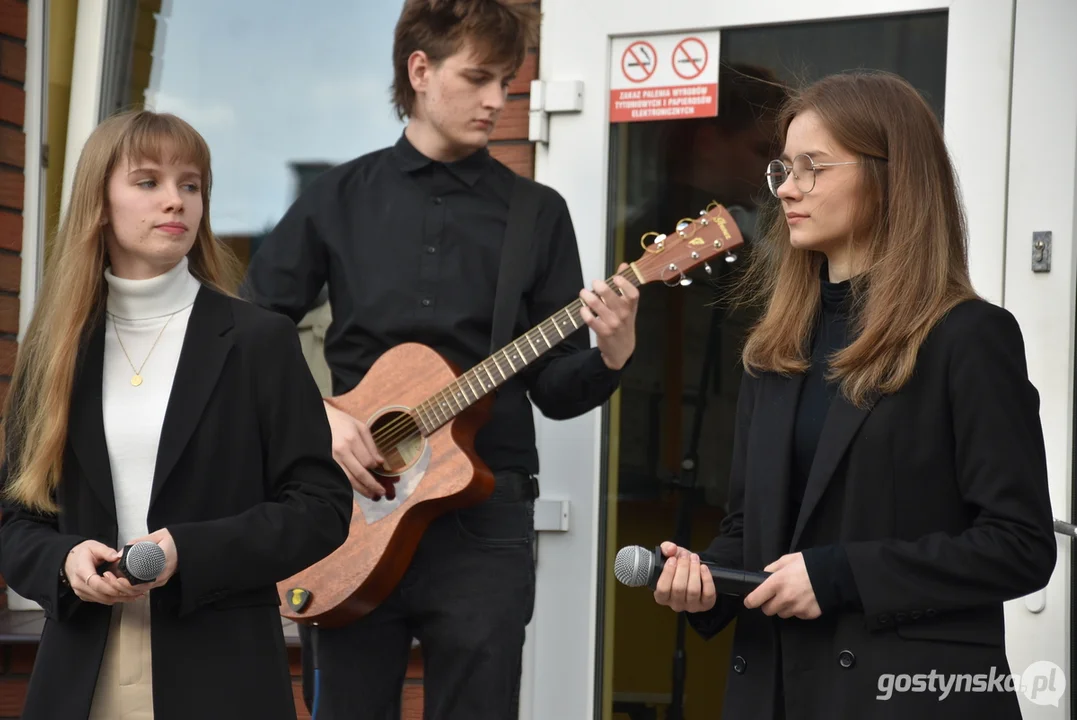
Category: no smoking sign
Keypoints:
(639, 61)
(690, 58)
(664, 77)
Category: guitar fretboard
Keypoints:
(497, 369)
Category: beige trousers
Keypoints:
(125, 680)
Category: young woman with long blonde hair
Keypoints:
(149, 404)
(888, 466)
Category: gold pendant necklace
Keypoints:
(136, 379)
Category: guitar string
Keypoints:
(407, 423)
(405, 427)
(401, 425)
(398, 430)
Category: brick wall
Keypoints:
(13, 15)
(509, 142)
(15, 660)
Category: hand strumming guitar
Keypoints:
(355, 452)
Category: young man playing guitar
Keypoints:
(409, 241)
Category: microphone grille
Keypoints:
(145, 560)
(633, 566)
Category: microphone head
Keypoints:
(144, 560)
(634, 566)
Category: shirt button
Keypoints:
(426, 302)
(430, 250)
(437, 201)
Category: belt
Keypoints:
(515, 487)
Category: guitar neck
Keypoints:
(499, 368)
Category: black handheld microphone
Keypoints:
(637, 566)
(139, 563)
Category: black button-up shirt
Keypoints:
(410, 250)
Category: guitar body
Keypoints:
(430, 476)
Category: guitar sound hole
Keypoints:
(398, 439)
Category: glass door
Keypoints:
(654, 464)
(678, 398)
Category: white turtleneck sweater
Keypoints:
(138, 310)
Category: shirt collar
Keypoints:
(469, 169)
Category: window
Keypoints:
(281, 91)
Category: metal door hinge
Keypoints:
(565, 96)
(551, 515)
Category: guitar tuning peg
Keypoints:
(731, 257)
(707, 267)
(685, 281)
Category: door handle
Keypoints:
(1065, 528)
(1036, 602)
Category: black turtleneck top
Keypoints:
(830, 336)
(828, 566)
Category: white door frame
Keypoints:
(33, 208)
(561, 672)
(1042, 187)
(84, 112)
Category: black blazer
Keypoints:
(937, 494)
(246, 483)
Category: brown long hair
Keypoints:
(500, 31)
(910, 225)
(38, 404)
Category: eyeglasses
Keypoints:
(803, 173)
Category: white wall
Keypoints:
(1042, 195)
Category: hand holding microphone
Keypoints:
(97, 573)
(139, 562)
(156, 568)
(789, 592)
(82, 571)
(682, 582)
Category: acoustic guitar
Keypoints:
(424, 414)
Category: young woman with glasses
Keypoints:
(888, 466)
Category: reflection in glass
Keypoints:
(279, 89)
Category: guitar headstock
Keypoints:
(692, 244)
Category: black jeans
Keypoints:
(467, 597)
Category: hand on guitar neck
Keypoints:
(611, 313)
(355, 452)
